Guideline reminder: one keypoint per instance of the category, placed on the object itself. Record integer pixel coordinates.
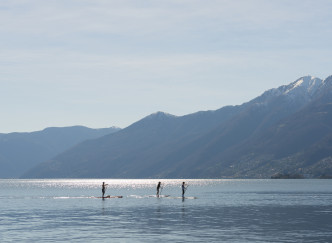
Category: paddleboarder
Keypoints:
(158, 188)
(103, 188)
(184, 188)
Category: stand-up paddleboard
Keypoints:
(148, 196)
(109, 196)
(183, 197)
(160, 196)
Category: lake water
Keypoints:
(214, 211)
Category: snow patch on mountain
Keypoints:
(301, 90)
(328, 81)
(306, 86)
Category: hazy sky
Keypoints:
(102, 63)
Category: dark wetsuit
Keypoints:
(183, 189)
(158, 188)
(103, 189)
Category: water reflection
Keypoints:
(183, 213)
(230, 211)
(219, 223)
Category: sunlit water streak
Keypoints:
(213, 211)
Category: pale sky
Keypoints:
(102, 63)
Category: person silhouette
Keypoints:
(184, 188)
(158, 188)
(103, 189)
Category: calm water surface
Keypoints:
(214, 211)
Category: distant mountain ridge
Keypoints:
(284, 130)
(21, 151)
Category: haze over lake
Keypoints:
(215, 211)
(227, 94)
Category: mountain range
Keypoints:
(21, 151)
(286, 130)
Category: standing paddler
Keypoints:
(158, 188)
(103, 188)
(184, 188)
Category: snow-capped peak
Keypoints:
(306, 85)
(302, 89)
